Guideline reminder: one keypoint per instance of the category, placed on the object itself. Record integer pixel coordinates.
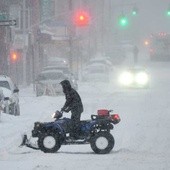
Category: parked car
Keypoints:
(57, 61)
(134, 78)
(96, 72)
(10, 91)
(47, 82)
(101, 60)
(65, 69)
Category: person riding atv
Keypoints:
(96, 132)
(74, 104)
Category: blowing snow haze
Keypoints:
(102, 50)
(151, 15)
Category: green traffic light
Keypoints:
(123, 21)
(168, 13)
(134, 13)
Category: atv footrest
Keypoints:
(74, 141)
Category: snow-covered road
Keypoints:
(142, 137)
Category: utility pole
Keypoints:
(71, 36)
(102, 27)
(4, 61)
(25, 47)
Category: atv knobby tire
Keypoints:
(54, 137)
(102, 142)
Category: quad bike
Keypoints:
(96, 132)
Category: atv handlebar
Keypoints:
(57, 114)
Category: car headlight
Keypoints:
(141, 78)
(126, 78)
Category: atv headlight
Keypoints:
(57, 115)
(141, 78)
(126, 78)
(53, 115)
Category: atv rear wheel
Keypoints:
(49, 142)
(102, 142)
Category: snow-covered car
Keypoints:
(10, 91)
(67, 72)
(96, 72)
(57, 61)
(134, 78)
(101, 60)
(48, 82)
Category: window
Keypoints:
(4, 84)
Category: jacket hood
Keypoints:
(66, 85)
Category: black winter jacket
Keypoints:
(73, 101)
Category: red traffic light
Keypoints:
(81, 18)
(14, 56)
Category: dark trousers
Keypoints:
(75, 117)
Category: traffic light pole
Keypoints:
(25, 48)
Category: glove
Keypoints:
(58, 114)
(65, 110)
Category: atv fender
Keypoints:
(58, 129)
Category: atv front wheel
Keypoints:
(49, 142)
(102, 143)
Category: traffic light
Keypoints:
(146, 42)
(134, 11)
(14, 56)
(168, 12)
(81, 18)
(123, 21)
